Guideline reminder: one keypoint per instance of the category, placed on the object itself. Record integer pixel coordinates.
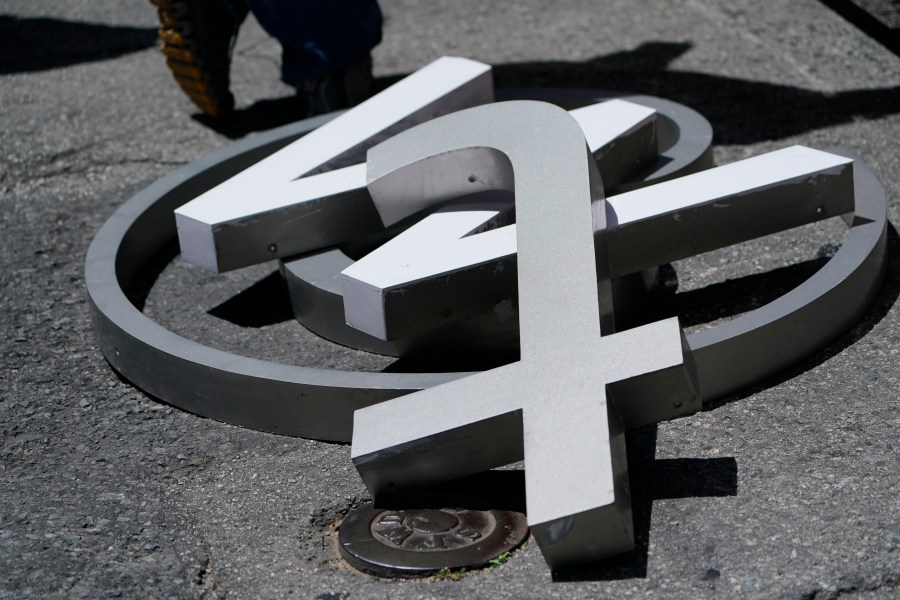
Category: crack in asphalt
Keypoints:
(204, 576)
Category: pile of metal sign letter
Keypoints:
(512, 227)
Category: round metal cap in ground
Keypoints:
(417, 542)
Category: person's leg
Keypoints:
(197, 38)
(325, 45)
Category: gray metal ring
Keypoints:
(319, 403)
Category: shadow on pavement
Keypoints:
(260, 116)
(880, 308)
(139, 288)
(741, 111)
(880, 20)
(736, 296)
(653, 479)
(266, 302)
(40, 43)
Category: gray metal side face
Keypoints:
(572, 443)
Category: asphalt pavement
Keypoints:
(790, 489)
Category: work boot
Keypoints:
(343, 89)
(197, 38)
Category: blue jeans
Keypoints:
(319, 37)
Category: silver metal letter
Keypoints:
(550, 407)
(437, 272)
(253, 217)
